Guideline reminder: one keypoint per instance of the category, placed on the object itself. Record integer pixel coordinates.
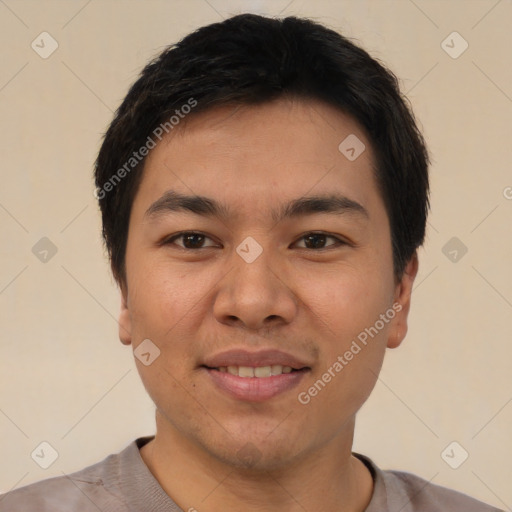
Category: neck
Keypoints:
(327, 478)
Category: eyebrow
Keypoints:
(172, 201)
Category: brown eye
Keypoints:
(318, 241)
(190, 240)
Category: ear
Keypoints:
(125, 322)
(402, 302)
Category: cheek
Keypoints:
(347, 306)
(346, 300)
(165, 307)
(162, 295)
(162, 309)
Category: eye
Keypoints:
(190, 240)
(193, 240)
(317, 241)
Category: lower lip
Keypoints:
(255, 389)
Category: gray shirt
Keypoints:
(123, 483)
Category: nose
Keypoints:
(255, 295)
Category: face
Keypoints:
(272, 298)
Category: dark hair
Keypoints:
(250, 59)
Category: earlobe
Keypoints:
(396, 337)
(125, 325)
(403, 301)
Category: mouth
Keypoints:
(254, 384)
(254, 377)
(259, 372)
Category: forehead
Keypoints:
(252, 157)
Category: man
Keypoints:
(263, 190)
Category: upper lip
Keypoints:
(241, 357)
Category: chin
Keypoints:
(255, 460)
(255, 453)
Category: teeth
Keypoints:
(245, 371)
(276, 369)
(260, 371)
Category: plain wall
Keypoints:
(66, 379)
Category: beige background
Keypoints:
(66, 379)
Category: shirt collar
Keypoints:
(145, 491)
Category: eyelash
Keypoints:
(339, 241)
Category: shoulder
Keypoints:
(404, 491)
(89, 489)
(417, 494)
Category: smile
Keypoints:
(259, 371)
(255, 384)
